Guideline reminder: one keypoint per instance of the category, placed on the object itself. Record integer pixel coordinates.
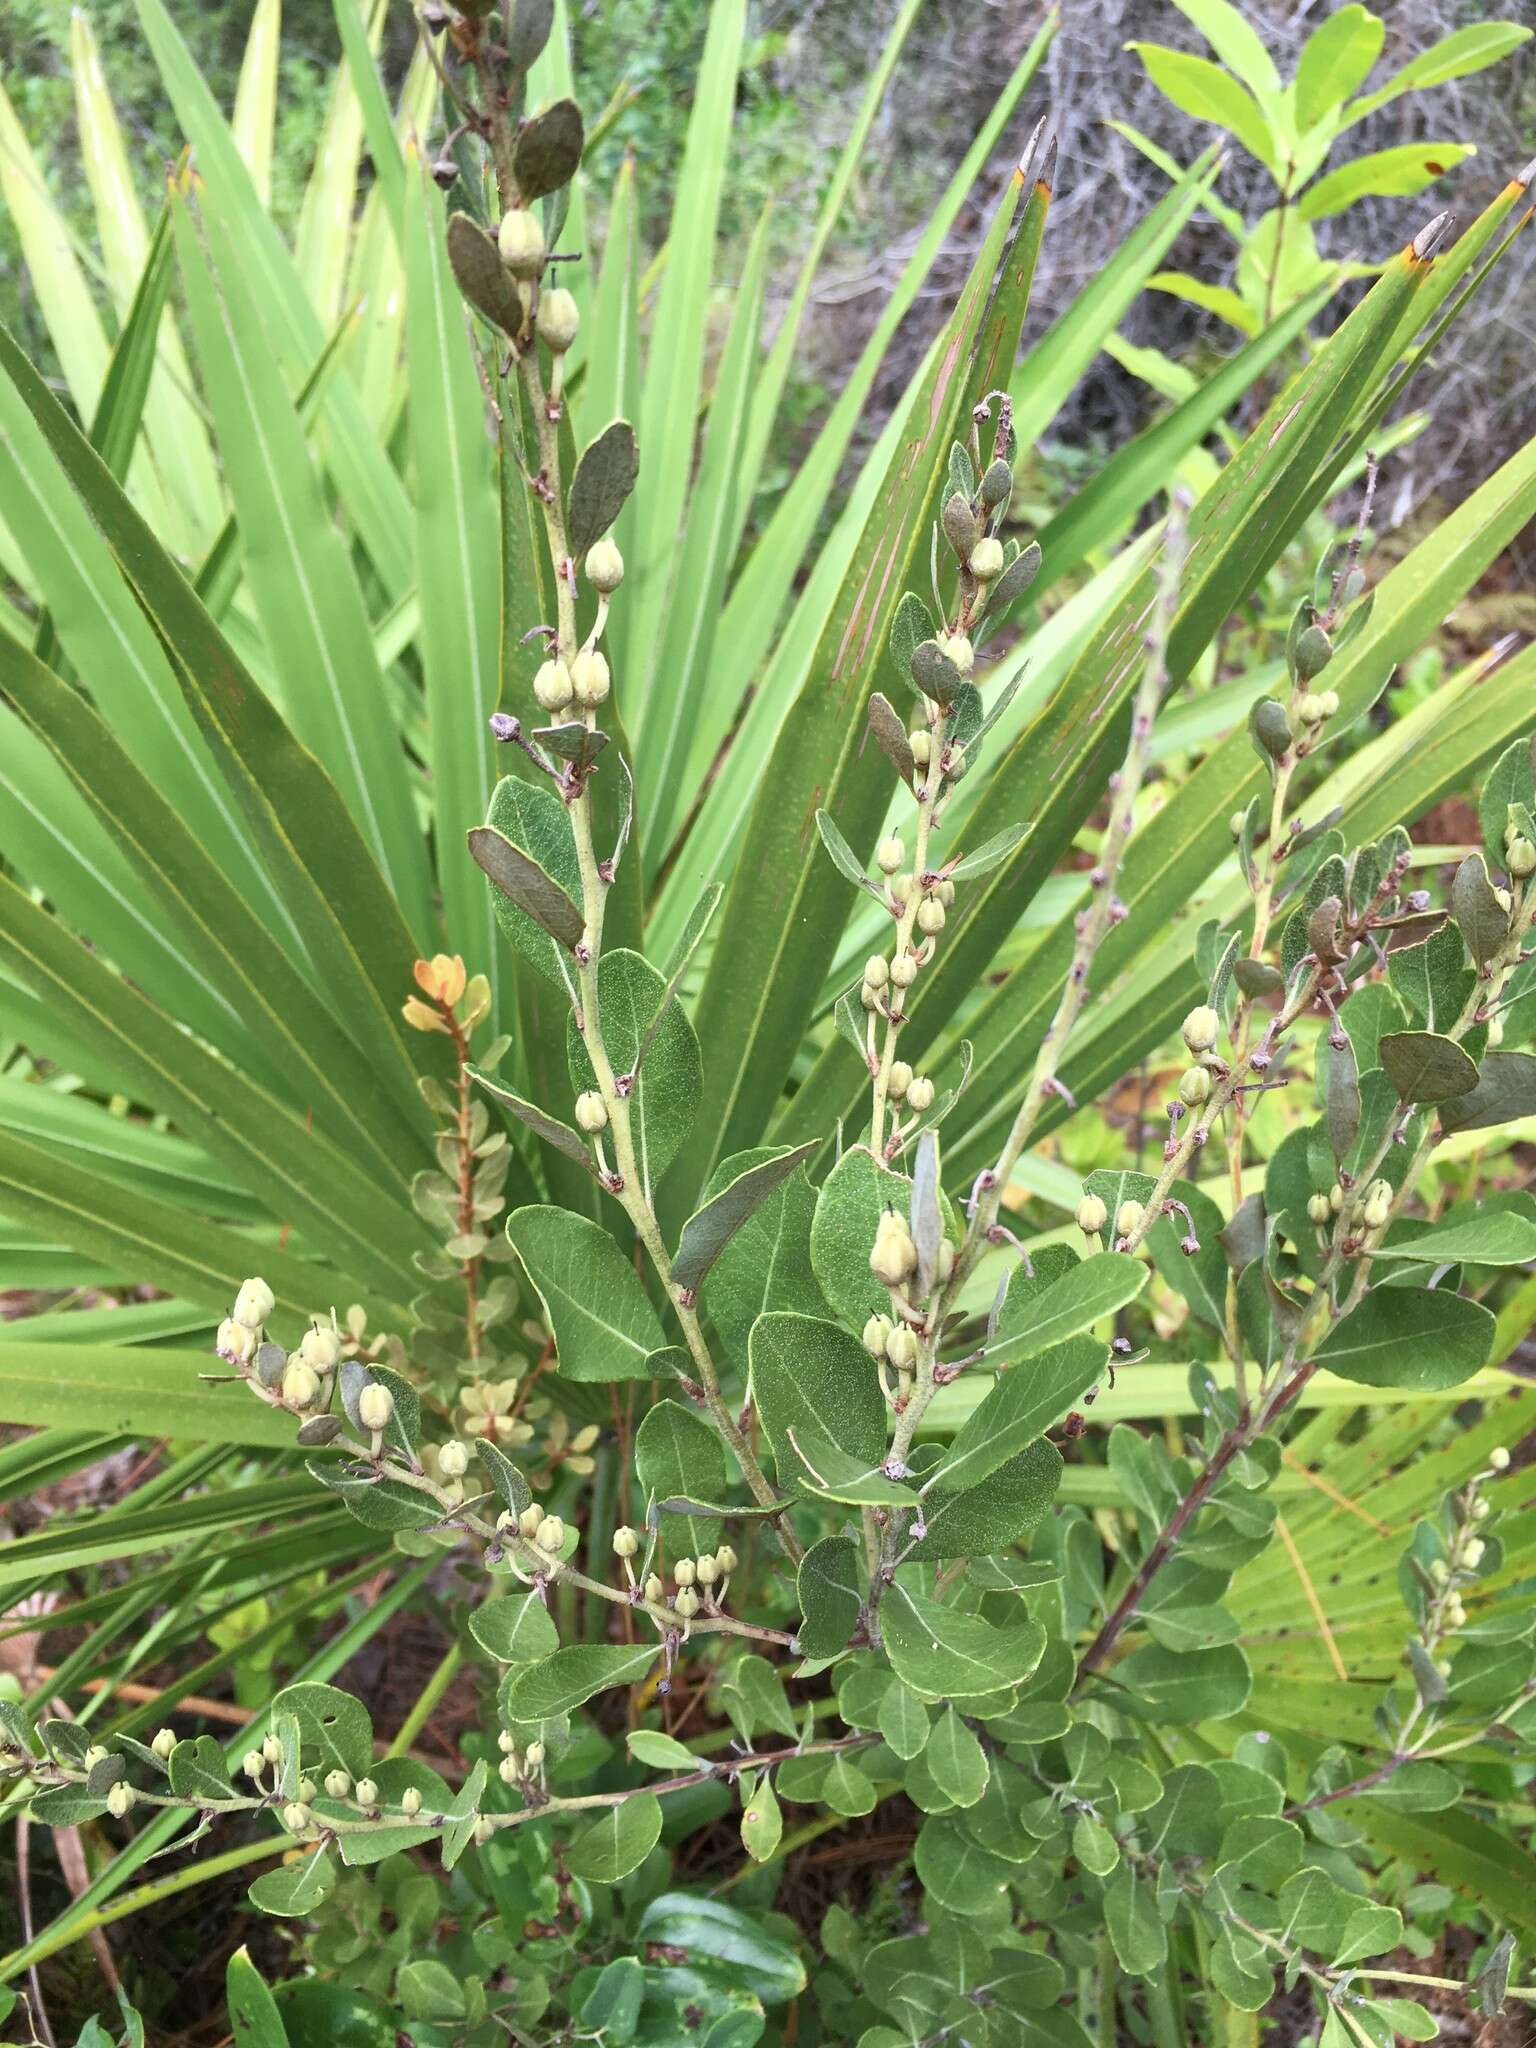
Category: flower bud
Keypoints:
(521, 242)
(1236, 823)
(1439, 1571)
(164, 1743)
(1319, 1208)
(590, 678)
(375, 1406)
(534, 1755)
(96, 1754)
(253, 1304)
(1377, 1206)
(900, 1078)
(921, 743)
(509, 1770)
(870, 997)
(685, 1571)
(1092, 1215)
(894, 1256)
(604, 566)
(876, 972)
(551, 1534)
(876, 1331)
(727, 1559)
(901, 887)
(301, 1384)
(297, 1817)
(119, 1798)
(1498, 1458)
(1520, 857)
(890, 855)
(320, 1348)
(1194, 1087)
(901, 1348)
(1473, 1553)
(1329, 700)
(687, 1603)
(410, 1802)
(930, 915)
(1309, 708)
(626, 1543)
(272, 1749)
(944, 1264)
(591, 1111)
(338, 1785)
(959, 651)
(655, 1590)
(253, 1763)
(528, 1521)
(1455, 1613)
(1480, 1511)
(708, 1570)
(558, 320)
(453, 1460)
(920, 1093)
(904, 970)
(307, 1791)
(1202, 1028)
(367, 1792)
(986, 559)
(1336, 1199)
(1130, 1219)
(235, 1341)
(552, 685)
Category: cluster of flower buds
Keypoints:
(1364, 1212)
(520, 1767)
(699, 1582)
(1201, 1031)
(301, 1380)
(545, 1532)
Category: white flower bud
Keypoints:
(119, 1798)
(605, 566)
(727, 1560)
(1520, 857)
(708, 1570)
(320, 1348)
(589, 678)
(1455, 1613)
(986, 559)
(1194, 1087)
(96, 1754)
(876, 1331)
(453, 1460)
(900, 1079)
(1236, 823)
(367, 1792)
(1473, 1553)
(626, 1543)
(534, 1756)
(921, 743)
(591, 1111)
(1328, 700)
(164, 1743)
(894, 1256)
(508, 1770)
(901, 887)
(552, 685)
(890, 854)
(1130, 1219)
(684, 1571)
(944, 1264)
(272, 1749)
(253, 1763)
(959, 650)
(1092, 1215)
(901, 1348)
(297, 1817)
(253, 1304)
(1480, 1511)
(301, 1384)
(558, 320)
(338, 1785)
(307, 1791)
(375, 1406)
(485, 1828)
(655, 1591)
(1202, 1028)
(920, 1093)
(1309, 708)
(521, 242)
(876, 972)
(1319, 1208)
(236, 1341)
(1377, 1206)
(507, 1743)
(1498, 1458)
(1336, 1199)
(930, 915)
(551, 1534)
(410, 1802)
(1439, 1571)
(687, 1603)
(528, 1521)
(904, 970)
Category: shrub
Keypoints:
(706, 1345)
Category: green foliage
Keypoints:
(675, 1131)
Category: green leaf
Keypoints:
(1184, 1685)
(1505, 1090)
(334, 1728)
(665, 1096)
(603, 1323)
(1135, 1928)
(1497, 1237)
(481, 275)
(956, 1760)
(942, 1654)
(831, 1594)
(1423, 1066)
(1207, 93)
(1482, 918)
(1024, 1402)
(294, 1890)
(198, 1770)
(547, 152)
(618, 1841)
(254, 2019)
(758, 1960)
(572, 1675)
(612, 2006)
(821, 1466)
(813, 1375)
(515, 1630)
(533, 819)
(1335, 61)
(1457, 55)
(762, 1821)
(710, 1228)
(1008, 1505)
(991, 854)
(1035, 1318)
(525, 884)
(604, 478)
(956, 1873)
(1393, 173)
(767, 1263)
(849, 1205)
(549, 1128)
(679, 1455)
(662, 1752)
(903, 1721)
(1409, 1337)
(847, 863)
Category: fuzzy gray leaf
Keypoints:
(520, 878)
(604, 478)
